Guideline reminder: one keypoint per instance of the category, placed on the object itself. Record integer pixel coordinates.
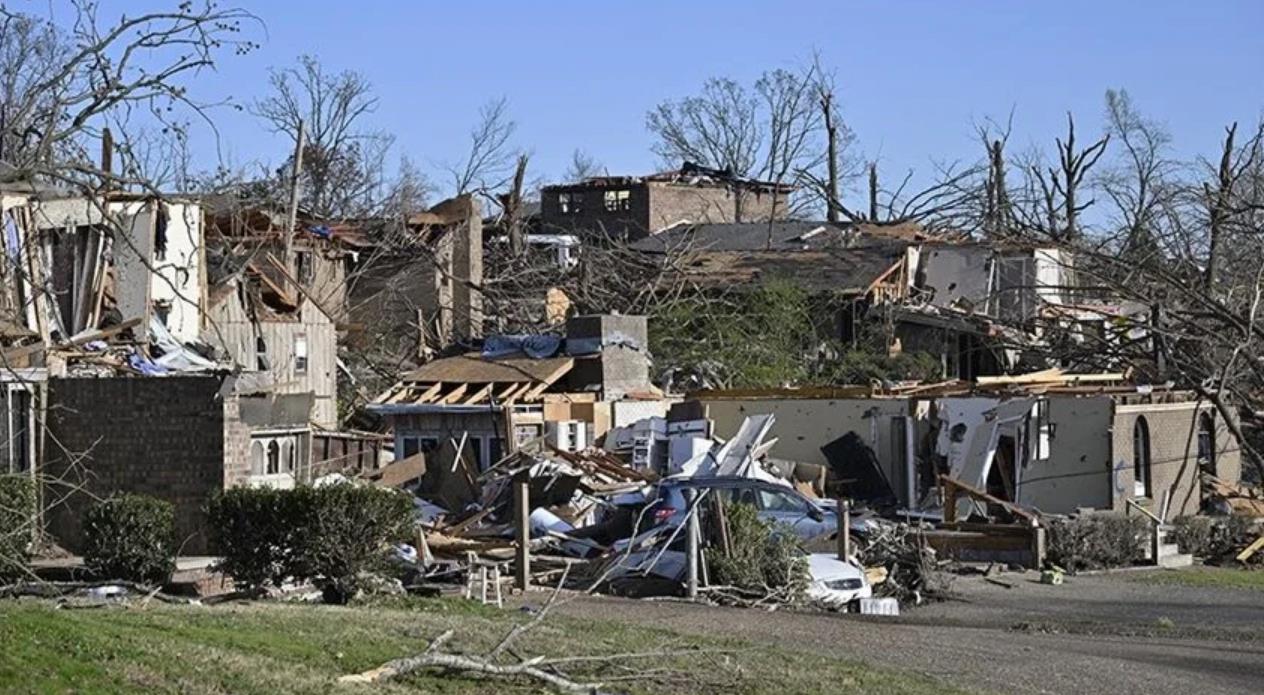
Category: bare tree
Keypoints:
(490, 160)
(773, 131)
(1231, 195)
(61, 84)
(1061, 190)
(582, 166)
(1139, 183)
(409, 192)
(343, 162)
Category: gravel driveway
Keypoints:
(1093, 634)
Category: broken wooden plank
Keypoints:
(950, 499)
(81, 339)
(1251, 549)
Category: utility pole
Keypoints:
(691, 543)
(844, 529)
(522, 530)
(296, 172)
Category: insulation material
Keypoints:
(971, 429)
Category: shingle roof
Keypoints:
(818, 256)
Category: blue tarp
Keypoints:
(534, 346)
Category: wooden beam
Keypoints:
(479, 395)
(454, 395)
(535, 392)
(950, 500)
(516, 393)
(429, 394)
(82, 339)
(1251, 550)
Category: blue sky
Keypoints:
(914, 76)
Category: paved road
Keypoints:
(1094, 634)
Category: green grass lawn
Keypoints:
(289, 648)
(1219, 577)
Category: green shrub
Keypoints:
(762, 558)
(1230, 535)
(1193, 534)
(131, 537)
(329, 535)
(348, 530)
(1096, 541)
(254, 530)
(17, 509)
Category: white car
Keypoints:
(836, 583)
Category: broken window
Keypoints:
(525, 434)
(258, 460)
(16, 423)
(303, 267)
(1207, 443)
(419, 445)
(1040, 449)
(1141, 458)
(495, 450)
(274, 458)
(261, 354)
(300, 353)
(571, 203)
(617, 201)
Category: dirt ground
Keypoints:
(1101, 633)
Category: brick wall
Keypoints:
(670, 203)
(163, 437)
(1173, 455)
(654, 205)
(592, 215)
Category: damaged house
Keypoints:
(974, 306)
(566, 393)
(1055, 444)
(636, 206)
(112, 382)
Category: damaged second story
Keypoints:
(636, 206)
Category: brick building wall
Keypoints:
(652, 205)
(672, 202)
(585, 209)
(164, 437)
(1173, 437)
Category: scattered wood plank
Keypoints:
(1251, 549)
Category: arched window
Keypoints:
(1141, 458)
(287, 457)
(257, 462)
(1207, 443)
(274, 458)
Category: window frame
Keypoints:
(1142, 461)
(300, 348)
(617, 200)
(570, 202)
(1205, 438)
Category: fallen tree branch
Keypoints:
(433, 658)
(60, 589)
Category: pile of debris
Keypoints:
(605, 524)
(904, 565)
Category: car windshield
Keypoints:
(777, 501)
